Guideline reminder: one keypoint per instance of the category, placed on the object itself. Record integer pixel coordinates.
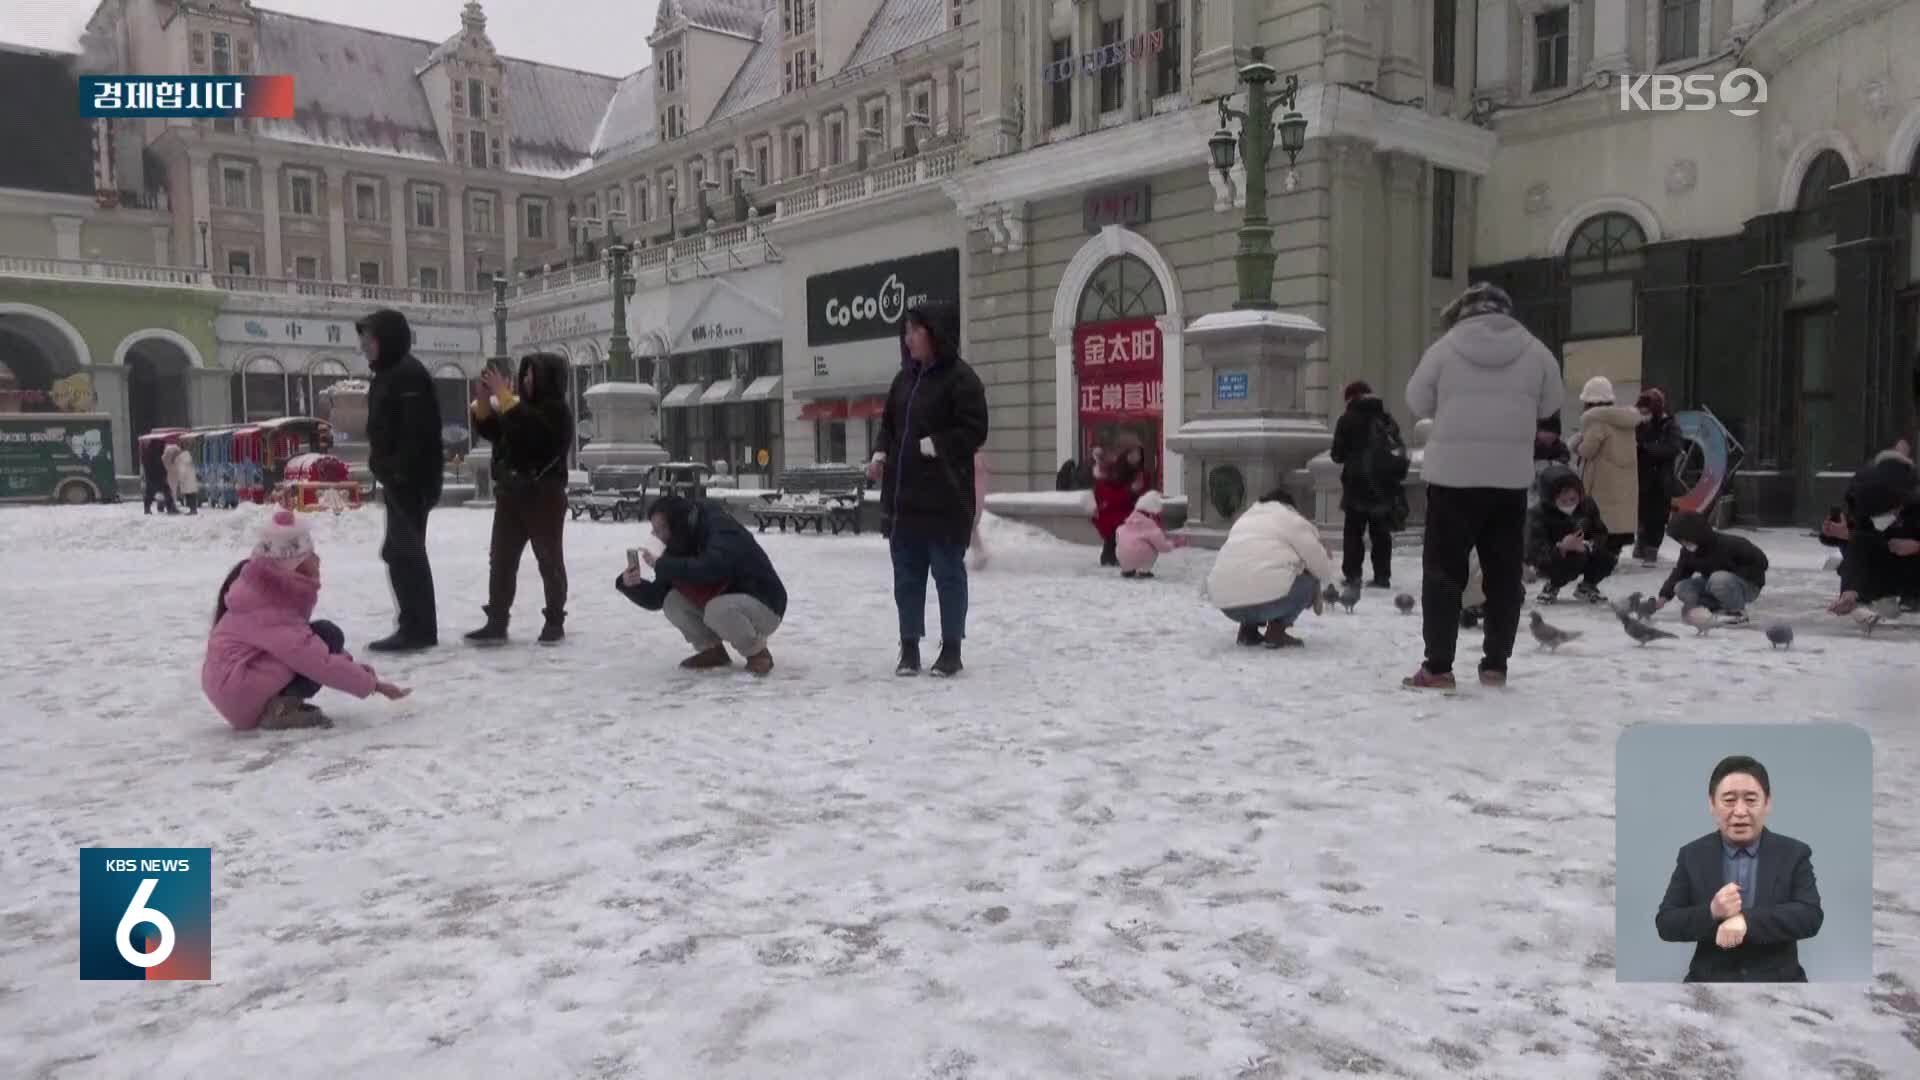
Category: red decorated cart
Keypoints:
(317, 482)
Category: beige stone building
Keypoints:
(1093, 203)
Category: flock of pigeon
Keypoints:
(1636, 618)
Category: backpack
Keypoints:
(1385, 462)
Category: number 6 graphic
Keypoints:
(138, 912)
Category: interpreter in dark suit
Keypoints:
(1744, 895)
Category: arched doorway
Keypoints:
(1812, 308)
(1118, 385)
(37, 350)
(158, 395)
(259, 390)
(1118, 334)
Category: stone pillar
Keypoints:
(66, 236)
(816, 150)
(1352, 49)
(337, 222)
(455, 213)
(1610, 39)
(1404, 66)
(1409, 268)
(1256, 442)
(110, 397)
(626, 423)
(1215, 67)
(397, 209)
(270, 219)
(201, 183)
(1002, 76)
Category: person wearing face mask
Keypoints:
(1879, 534)
(1565, 539)
(1660, 444)
(1719, 571)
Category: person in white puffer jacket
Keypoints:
(1270, 571)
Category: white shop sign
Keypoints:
(722, 315)
(337, 333)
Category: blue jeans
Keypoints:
(1722, 591)
(336, 639)
(1284, 610)
(913, 557)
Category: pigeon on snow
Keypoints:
(1639, 631)
(1331, 594)
(1699, 618)
(1781, 635)
(1549, 636)
(1405, 603)
(1642, 607)
(1350, 596)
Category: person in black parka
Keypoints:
(1878, 534)
(935, 419)
(1660, 444)
(714, 582)
(153, 470)
(1373, 462)
(531, 430)
(404, 455)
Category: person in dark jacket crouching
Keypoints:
(1879, 533)
(935, 419)
(1719, 571)
(714, 582)
(531, 430)
(1565, 538)
(404, 454)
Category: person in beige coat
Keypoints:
(1609, 460)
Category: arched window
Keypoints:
(1603, 266)
(260, 390)
(311, 399)
(1815, 202)
(1122, 288)
(452, 388)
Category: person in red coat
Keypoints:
(1118, 481)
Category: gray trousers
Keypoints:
(735, 618)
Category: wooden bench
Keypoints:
(826, 498)
(625, 505)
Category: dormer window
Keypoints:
(669, 74)
(797, 17)
(477, 149)
(802, 69)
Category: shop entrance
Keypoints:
(1118, 355)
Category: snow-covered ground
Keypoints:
(1117, 847)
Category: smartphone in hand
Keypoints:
(633, 559)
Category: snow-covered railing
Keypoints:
(99, 270)
(882, 180)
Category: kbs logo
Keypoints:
(1739, 91)
(146, 913)
(888, 306)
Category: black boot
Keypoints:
(948, 662)
(909, 658)
(1109, 556)
(1249, 635)
(494, 633)
(402, 642)
(555, 631)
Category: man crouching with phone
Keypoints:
(712, 579)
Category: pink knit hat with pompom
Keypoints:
(284, 539)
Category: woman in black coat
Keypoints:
(935, 419)
(1372, 494)
(1660, 444)
(531, 429)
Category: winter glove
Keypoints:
(926, 447)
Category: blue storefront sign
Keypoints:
(1230, 386)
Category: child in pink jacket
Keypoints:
(264, 658)
(1140, 540)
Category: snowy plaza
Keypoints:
(1117, 846)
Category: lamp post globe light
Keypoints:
(1253, 261)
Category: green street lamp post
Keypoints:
(1253, 262)
(620, 366)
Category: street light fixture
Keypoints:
(1253, 262)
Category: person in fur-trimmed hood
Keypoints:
(531, 429)
(1609, 460)
(1879, 534)
(1141, 539)
(1719, 571)
(1565, 539)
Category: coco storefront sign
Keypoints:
(863, 303)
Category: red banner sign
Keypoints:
(1122, 349)
(1133, 398)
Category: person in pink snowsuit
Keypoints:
(264, 657)
(979, 507)
(1141, 539)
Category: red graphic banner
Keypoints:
(1117, 351)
